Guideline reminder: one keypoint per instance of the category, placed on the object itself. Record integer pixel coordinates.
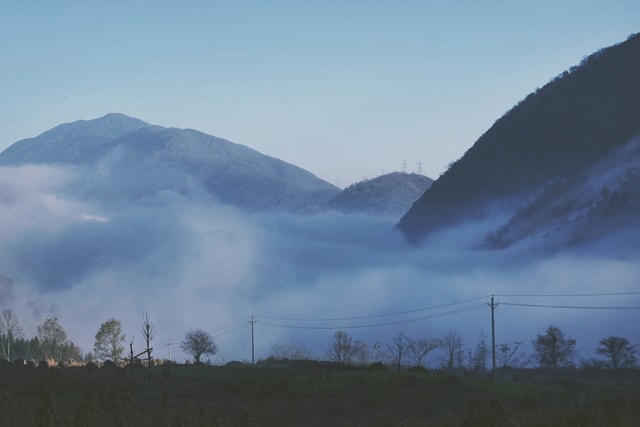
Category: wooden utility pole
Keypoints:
(493, 340)
(253, 354)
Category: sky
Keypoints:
(345, 89)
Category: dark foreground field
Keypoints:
(313, 395)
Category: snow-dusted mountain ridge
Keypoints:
(124, 158)
(135, 159)
(389, 195)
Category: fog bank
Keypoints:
(193, 263)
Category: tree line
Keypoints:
(553, 349)
(51, 341)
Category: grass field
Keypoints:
(313, 394)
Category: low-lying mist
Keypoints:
(194, 263)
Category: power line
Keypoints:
(605, 294)
(240, 322)
(230, 330)
(574, 306)
(371, 325)
(372, 316)
(267, 320)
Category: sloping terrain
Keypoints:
(577, 213)
(80, 142)
(536, 159)
(126, 158)
(388, 195)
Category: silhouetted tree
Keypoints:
(148, 333)
(197, 343)
(419, 348)
(341, 349)
(619, 352)
(451, 345)
(553, 349)
(510, 355)
(479, 357)
(397, 351)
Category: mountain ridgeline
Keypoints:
(563, 164)
(389, 195)
(126, 159)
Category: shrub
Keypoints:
(418, 370)
(377, 366)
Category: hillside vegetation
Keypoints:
(554, 138)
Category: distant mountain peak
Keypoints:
(124, 158)
(135, 160)
(72, 143)
(389, 195)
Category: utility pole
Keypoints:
(131, 359)
(493, 340)
(170, 344)
(253, 354)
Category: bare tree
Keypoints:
(619, 352)
(451, 346)
(197, 343)
(419, 348)
(510, 355)
(341, 349)
(148, 333)
(397, 351)
(10, 331)
(479, 357)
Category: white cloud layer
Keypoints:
(196, 264)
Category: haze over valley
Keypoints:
(115, 217)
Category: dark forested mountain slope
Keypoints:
(543, 152)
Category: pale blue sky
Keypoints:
(345, 89)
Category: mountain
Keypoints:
(79, 142)
(126, 158)
(562, 165)
(387, 195)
